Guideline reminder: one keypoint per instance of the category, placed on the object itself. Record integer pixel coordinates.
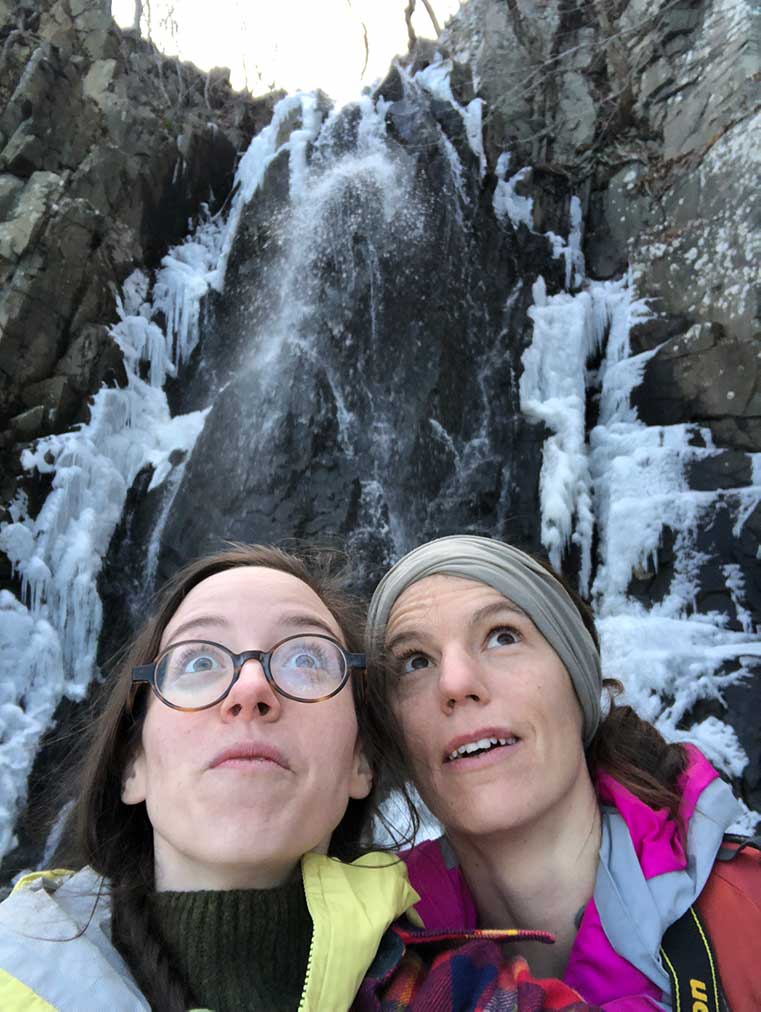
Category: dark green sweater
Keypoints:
(243, 950)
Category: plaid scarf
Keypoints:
(429, 971)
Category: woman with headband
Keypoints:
(557, 816)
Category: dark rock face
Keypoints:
(107, 149)
(651, 110)
(704, 375)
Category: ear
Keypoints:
(361, 782)
(133, 779)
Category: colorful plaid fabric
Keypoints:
(426, 971)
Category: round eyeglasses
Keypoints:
(197, 674)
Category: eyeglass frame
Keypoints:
(145, 674)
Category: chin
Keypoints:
(489, 815)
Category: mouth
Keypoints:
(482, 743)
(249, 755)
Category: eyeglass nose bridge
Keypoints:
(263, 656)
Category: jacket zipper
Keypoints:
(302, 1006)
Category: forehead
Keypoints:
(251, 594)
(442, 598)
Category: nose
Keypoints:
(461, 678)
(252, 695)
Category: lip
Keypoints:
(482, 732)
(240, 755)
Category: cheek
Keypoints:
(416, 730)
(332, 732)
(169, 740)
(568, 704)
(559, 714)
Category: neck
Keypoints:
(182, 874)
(538, 875)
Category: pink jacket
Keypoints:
(645, 881)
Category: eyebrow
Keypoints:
(298, 621)
(218, 621)
(292, 621)
(478, 616)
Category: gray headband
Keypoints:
(521, 579)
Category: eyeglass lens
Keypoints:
(198, 673)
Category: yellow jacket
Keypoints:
(56, 951)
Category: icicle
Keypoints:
(570, 250)
(506, 202)
(553, 390)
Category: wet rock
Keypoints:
(125, 589)
(407, 123)
(648, 334)
(29, 424)
(727, 469)
(702, 375)
(57, 397)
(391, 87)
(742, 703)
(743, 433)
(92, 359)
(618, 215)
(413, 337)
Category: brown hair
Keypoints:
(629, 748)
(117, 839)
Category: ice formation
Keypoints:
(627, 481)
(48, 640)
(506, 202)
(436, 80)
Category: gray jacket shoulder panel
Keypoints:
(635, 912)
(55, 937)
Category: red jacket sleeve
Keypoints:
(730, 906)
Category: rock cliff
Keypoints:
(107, 151)
(652, 109)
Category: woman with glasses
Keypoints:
(557, 816)
(218, 827)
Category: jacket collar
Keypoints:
(351, 906)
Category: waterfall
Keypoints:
(374, 343)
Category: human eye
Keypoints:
(195, 659)
(304, 655)
(412, 661)
(502, 636)
(308, 667)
